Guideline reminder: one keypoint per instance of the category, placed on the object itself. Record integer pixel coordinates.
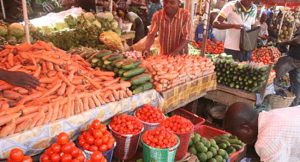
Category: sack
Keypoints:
(248, 41)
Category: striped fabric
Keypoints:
(278, 137)
(171, 31)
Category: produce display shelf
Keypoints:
(181, 95)
(34, 141)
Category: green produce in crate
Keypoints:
(131, 65)
(134, 72)
(142, 88)
(140, 79)
(103, 53)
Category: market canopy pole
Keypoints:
(3, 10)
(206, 16)
(111, 6)
(26, 20)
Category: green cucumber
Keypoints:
(121, 71)
(140, 79)
(124, 78)
(115, 62)
(115, 57)
(131, 65)
(109, 56)
(121, 63)
(134, 72)
(104, 53)
(142, 88)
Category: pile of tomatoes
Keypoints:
(159, 138)
(63, 150)
(266, 55)
(125, 124)
(149, 114)
(17, 155)
(178, 124)
(97, 157)
(213, 47)
(96, 138)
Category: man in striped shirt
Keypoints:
(173, 25)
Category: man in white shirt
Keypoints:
(237, 14)
(276, 134)
(263, 34)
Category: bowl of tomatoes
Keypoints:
(149, 116)
(97, 138)
(127, 131)
(159, 144)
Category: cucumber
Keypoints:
(124, 78)
(121, 63)
(115, 57)
(121, 71)
(142, 88)
(140, 79)
(115, 62)
(104, 53)
(109, 56)
(134, 72)
(131, 65)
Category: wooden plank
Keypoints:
(227, 98)
(237, 92)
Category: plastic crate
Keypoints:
(210, 132)
(195, 119)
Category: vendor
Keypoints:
(200, 29)
(19, 79)
(275, 133)
(173, 25)
(239, 14)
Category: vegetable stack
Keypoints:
(240, 75)
(213, 47)
(170, 71)
(229, 143)
(68, 87)
(266, 55)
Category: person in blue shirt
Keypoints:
(153, 6)
(200, 29)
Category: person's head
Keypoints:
(263, 17)
(247, 3)
(171, 7)
(213, 16)
(121, 12)
(155, 1)
(241, 120)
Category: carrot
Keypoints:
(76, 106)
(111, 98)
(96, 101)
(71, 75)
(30, 110)
(20, 90)
(48, 80)
(8, 129)
(4, 105)
(45, 45)
(100, 99)
(109, 83)
(129, 92)
(70, 90)
(121, 96)
(53, 89)
(62, 89)
(50, 66)
(24, 47)
(91, 103)
(44, 68)
(23, 126)
(55, 111)
(81, 108)
(96, 85)
(63, 77)
(118, 86)
(12, 95)
(103, 73)
(72, 111)
(37, 72)
(48, 114)
(26, 117)
(52, 73)
(5, 86)
(85, 101)
(41, 120)
(29, 98)
(10, 59)
(77, 80)
(35, 119)
(16, 67)
(116, 95)
(7, 118)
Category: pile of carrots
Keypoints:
(68, 86)
(266, 55)
(170, 71)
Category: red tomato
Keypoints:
(66, 158)
(45, 158)
(80, 157)
(177, 124)
(67, 148)
(55, 148)
(86, 146)
(96, 124)
(62, 138)
(75, 160)
(98, 142)
(81, 142)
(159, 138)
(97, 134)
(27, 159)
(93, 148)
(90, 140)
(126, 124)
(55, 157)
(16, 155)
(75, 152)
(103, 148)
(96, 156)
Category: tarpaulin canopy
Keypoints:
(290, 3)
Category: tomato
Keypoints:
(96, 124)
(16, 155)
(93, 148)
(66, 148)
(62, 138)
(86, 146)
(81, 142)
(75, 152)
(66, 158)
(149, 114)
(98, 142)
(49, 151)
(105, 139)
(27, 159)
(97, 134)
(103, 148)
(90, 140)
(177, 124)
(80, 157)
(75, 160)
(55, 148)
(96, 156)
(45, 158)
(55, 157)
(126, 124)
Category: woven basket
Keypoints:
(277, 101)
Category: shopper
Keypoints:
(173, 24)
(138, 25)
(200, 28)
(238, 14)
(153, 6)
(291, 64)
(276, 134)
(263, 34)
(19, 79)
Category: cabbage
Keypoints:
(89, 16)
(11, 40)
(16, 30)
(3, 30)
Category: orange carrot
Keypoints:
(76, 106)
(96, 101)
(70, 90)
(16, 67)
(12, 95)
(121, 95)
(85, 101)
(63, 77)
(20, 90)
(50, 66)
(111, 98)
(91, 103)
(55, 111)
(8, 129)
(48, 114)
(129, 92)
(23, 126)
(7, 118)
(72, 111)
(61, 91)
(103, 73)
(53, 89)
(48, 80)
(52, 73)
(116, 95)
(37, 72)
(30, 110)
(41, 120)
(26, 117)
(24, 47)
(109, 83)
(10, 59)
(29, 98)
(96, 85)
(100, 99)
(44, 68)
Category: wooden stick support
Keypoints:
(26, 20)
